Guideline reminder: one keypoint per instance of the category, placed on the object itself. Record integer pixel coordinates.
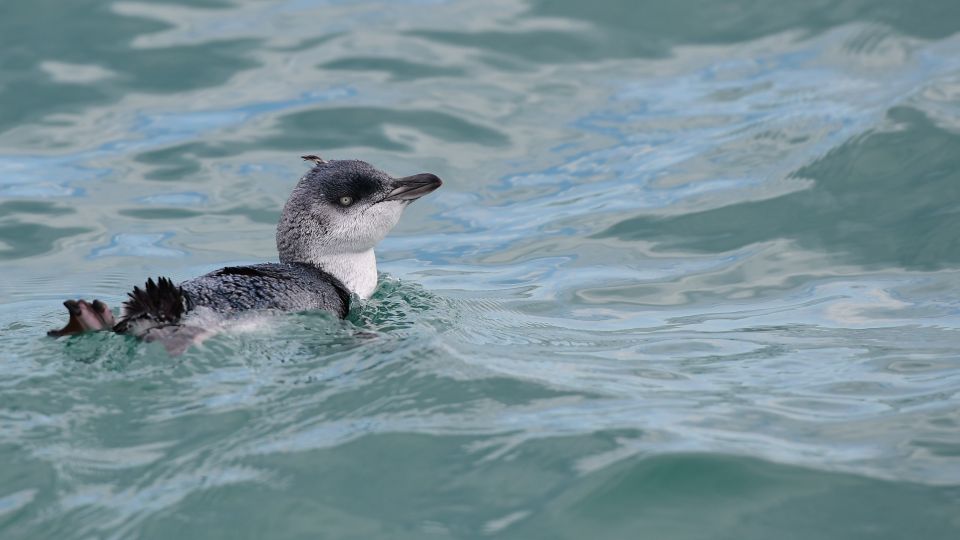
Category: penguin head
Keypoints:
(344, 207)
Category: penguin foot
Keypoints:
(85, 317)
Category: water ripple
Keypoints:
(693, 268)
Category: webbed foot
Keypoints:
(85, 317)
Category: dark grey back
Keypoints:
(276, 286)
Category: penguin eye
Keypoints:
(346, 201)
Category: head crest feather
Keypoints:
(316, 159)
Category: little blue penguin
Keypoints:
(336, 215)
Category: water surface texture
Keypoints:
(694, 271)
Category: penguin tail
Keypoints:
(160, 303)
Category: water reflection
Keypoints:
(91, 34)
(900, 180)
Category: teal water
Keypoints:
(694, 271)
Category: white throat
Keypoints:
(357, 271)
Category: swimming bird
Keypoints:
(335, 216)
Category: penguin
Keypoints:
(335, 216)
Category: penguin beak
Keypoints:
(411, 188)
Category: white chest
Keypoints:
(357, 271)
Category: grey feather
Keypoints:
(277, 286)
(334, 217)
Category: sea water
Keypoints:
(694, 271)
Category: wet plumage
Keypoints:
(329, 226)
(278, 286)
